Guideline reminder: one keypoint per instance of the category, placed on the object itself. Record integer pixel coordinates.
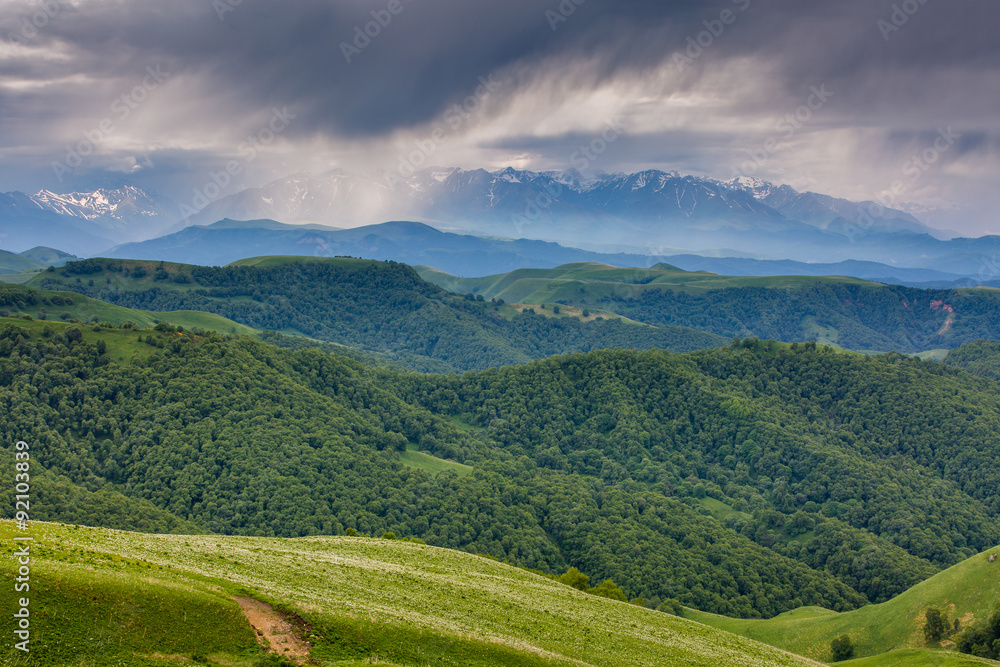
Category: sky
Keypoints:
(849, 98)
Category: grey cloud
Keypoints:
(941, 67)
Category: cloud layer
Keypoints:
(722, 87)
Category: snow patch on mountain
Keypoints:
(121, 203)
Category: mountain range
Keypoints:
(670, 211)
(82, 222)
(469, 255)
(507, 219)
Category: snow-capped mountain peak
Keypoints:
(123, 203)
(758, 187)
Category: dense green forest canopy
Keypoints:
(381, 307)
(866, 317)
(747, 480)
(239, 437)
(890, 455)
(981, 357)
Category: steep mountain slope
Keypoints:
(125, 204)
(830, 213)
(227, 241)
(671, 213)
(24, 225)
(83, 222)
(158, 600)
(663, 208)
(381, 307)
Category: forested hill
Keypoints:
(815, 454)
(846, 312)
(747, 480)
(381, 307)
(239, 437)
(981, 357)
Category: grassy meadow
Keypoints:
(967, 592)
(103, 597)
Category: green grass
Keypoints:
(823, 335)
(919, 658)
(122, 280)
(721, 510)
(122, 344)
(431, 464)
(86, 309)
(20, 277)
(585, 285)
(967, 591)
(95, 609)
(465, 426)
(933, 355)
(112, 598)
(13, 263)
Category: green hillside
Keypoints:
(598, 281)
(238, 437)
(919, 658)
(13, 263)
(747, 481)
(845, 312)
(981, 357)
(109, 598)
(818, 456)
(47, 256)
(383, 308)
(968, 591)
(16, 301)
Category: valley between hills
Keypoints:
(740, 497)
(578, 333)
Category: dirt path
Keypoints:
(283, 637)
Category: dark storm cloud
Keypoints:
(263, 53)
(899, 68)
